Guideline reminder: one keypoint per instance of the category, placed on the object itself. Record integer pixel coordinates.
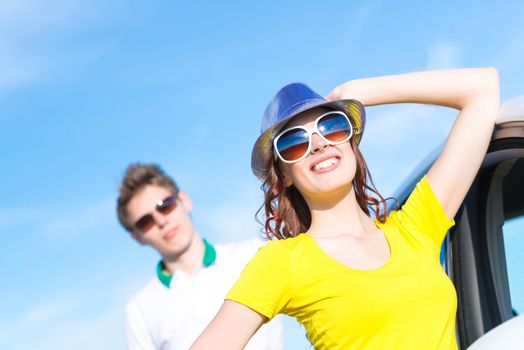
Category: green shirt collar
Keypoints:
(210, 255)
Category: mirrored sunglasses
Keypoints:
(294, 144)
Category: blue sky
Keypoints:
(87, 87)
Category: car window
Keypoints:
(513, 229)
(513, 233)
(445, 256)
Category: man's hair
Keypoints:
(136, 177)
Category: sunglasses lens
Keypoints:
(144, 223)
(167, 205)
(335, 127)
(164, 207)
(293, 144)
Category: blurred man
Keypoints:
(192, 277)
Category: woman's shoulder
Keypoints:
(420, 197)
(287, 243)
(288, 246)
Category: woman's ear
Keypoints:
(281, 172)
(286, 180)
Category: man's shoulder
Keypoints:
(252, 244)
(232, 257)
(239, 249)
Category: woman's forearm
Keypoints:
(451, 87)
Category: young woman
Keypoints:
(355, 282)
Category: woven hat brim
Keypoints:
(262, 153)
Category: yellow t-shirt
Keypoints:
(408, 303)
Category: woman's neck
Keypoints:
(338, 215)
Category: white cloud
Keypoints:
(234, 222)
(357, 21)
(35, 38)
(398, 137)
(15, 69)
(65, 324)
(511, 54)
(233, 218)
(10, 217)
(63, 222)
(75, 319)
(395, 124)
(42, 314)
(36, 317)
(93, 218)
(41, 17)
(443, 54)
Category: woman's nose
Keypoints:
(317, 143)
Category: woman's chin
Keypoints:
(332, 190)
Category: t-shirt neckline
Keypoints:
(385, 266)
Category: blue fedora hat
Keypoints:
(289, 101)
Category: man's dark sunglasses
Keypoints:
(165, 206)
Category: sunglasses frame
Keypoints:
(158, 207)
(310, 132)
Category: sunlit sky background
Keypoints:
(86, 87)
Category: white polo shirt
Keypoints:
(171, 311)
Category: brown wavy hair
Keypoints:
(286, 213)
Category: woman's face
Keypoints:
(327, 170)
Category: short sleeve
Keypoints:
(423, 214)
(265, 283)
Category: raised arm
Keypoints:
(474, 91)
(231, 329)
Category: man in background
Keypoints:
(193, 275)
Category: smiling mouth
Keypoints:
(326, 164)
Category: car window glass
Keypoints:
(513, 233)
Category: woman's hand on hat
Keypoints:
(369, 91)
(335, 94)
(348, 90)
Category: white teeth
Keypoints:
(325, 163)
